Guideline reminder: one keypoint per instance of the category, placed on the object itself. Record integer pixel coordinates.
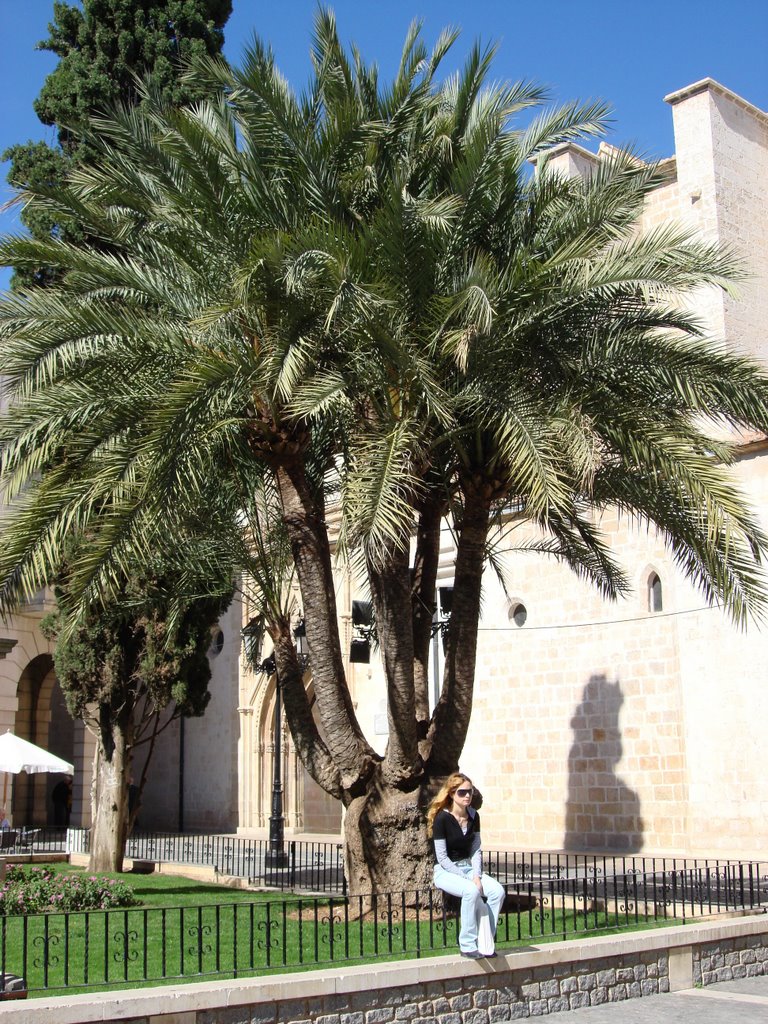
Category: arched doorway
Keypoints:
(306, 807)
(43, 719)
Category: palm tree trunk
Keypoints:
(390, 588)
(308, 536)
(426, 560)
(450, 721)
(309, 744)
(386, 847)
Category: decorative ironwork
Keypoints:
(333, 926)
(267, 926)
(563, 900)
(46, 942)
(123, 939)
(389, 929)
(199, 932)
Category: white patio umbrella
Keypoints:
(18, 755)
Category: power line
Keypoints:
(651, 617)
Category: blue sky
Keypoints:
(628, 52)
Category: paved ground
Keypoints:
(730, 1002)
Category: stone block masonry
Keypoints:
(744, 956)
(530, 982)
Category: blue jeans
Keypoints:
(463, 886)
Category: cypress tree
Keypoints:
(127, 669)
(103, 46)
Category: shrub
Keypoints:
(42, 890)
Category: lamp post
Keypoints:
(276, 855)
(253, 637)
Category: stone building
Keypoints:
(637, 725)
(651, 733)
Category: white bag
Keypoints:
(485, 943)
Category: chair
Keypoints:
(12, 986)
(8, 838)
(28, 837)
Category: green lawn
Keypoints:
(187, 930)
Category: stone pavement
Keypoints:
(729, 1002)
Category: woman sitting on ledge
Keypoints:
(454, 826)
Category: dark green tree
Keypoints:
(38, 165)
(127, 670)
(104, 48)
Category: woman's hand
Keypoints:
(479, 883)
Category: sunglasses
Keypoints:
(464, 792)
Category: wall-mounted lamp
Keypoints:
(302, 647)
(364, 630)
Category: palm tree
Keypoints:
(361, 295)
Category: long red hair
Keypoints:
(444, 798)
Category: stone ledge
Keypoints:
(166, 1001)
(711, 85)
(195, 872)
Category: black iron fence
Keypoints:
(62, 952)
(32, 840)
(302, 866)
(724, 881)
(298, 865)
(319, 866)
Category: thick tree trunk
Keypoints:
(386, 846)
(304, 519)
(425, 564)
(450, 721)
(109, 825)
(390, 588)
(306, 737)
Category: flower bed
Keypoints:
(42, 890)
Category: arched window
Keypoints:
(655, 603)
(518, 613)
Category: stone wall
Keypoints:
(194, 771)
(502, 996)
(595, 725)
(534, 981)
(744, 956)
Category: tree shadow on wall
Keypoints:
(602, 812)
